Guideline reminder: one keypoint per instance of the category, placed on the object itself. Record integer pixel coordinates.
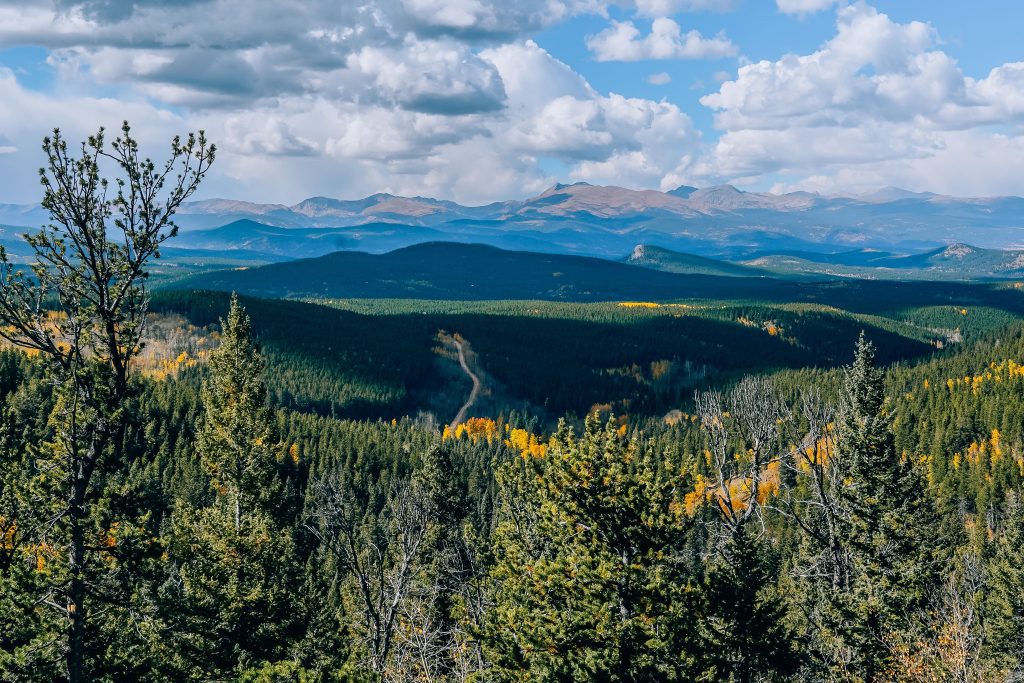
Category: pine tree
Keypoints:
(235, 437)
(893, 529)
(236, 606)
(590, 581)
(750, 639)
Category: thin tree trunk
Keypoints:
(76, 594)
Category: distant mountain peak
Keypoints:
(564, 186)
(891, 193)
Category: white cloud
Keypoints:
(27, 115)
(450, 98)
(660, 78)
(363, 129)
(270, 136)
(221, 53)
(877, 104)
(804, 6)
(319, 97)
(622, 41)
(441, 77)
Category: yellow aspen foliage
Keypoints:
(660, 368)
(526, 443)
(770, 482)
(475, 428)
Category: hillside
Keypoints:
(447, 271)
(458, 271)
(953, 262)
(670, 261)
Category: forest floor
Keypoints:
(477, 384)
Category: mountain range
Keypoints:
(594, 220)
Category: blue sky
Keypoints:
(478, 100)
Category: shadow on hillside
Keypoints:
(335, 362)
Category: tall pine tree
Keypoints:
(892, 526)
(234, 605)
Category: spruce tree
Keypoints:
(233, 605)
(750, 638)
(235, 438)
(892, 529)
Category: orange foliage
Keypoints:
(474, 428)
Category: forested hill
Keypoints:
(439, 270)
(451, 271)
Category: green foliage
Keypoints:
(750, 639)
(239, 531)
(1005, 605)
(234, 440)
(890, 523)
(232, 596)
(590, 580)
(81, 308)
(235, 605)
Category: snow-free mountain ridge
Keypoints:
(596, 220)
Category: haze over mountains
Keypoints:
(720, 221)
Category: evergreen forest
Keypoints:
(200, 485)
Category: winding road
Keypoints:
(477, 385)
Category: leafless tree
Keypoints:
(742, 429)
(816, 506)
(382, 556)
(950, 648)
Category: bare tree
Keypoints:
(950, 648)
(82, 307)
(817, 509)
(742, 429)
(382, 556)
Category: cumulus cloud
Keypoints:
(595, 133)
(439, 77)
(222, 52)
(660, 78)
(450, 98)
(27, 115)
(622, 41)
(443, 97)
(879, 95)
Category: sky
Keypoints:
(485, 100)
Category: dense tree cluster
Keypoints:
(856, 524)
